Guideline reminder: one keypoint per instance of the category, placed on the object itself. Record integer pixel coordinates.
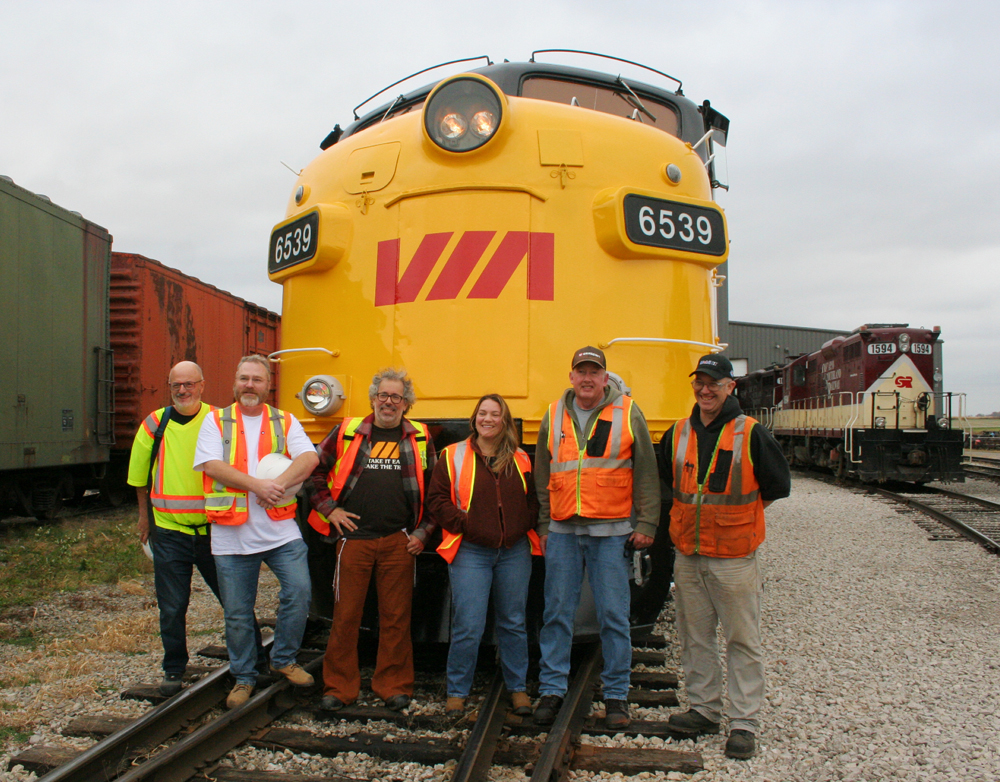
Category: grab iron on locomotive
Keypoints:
(868, 404)
(478, 230)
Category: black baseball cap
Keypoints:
(715, 365)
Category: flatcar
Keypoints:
(868, 404)
(479, 229)
(91, 335)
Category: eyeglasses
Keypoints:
(697, 385)
(382, 396)
(185, 386)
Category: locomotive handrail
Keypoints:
(331, 353)
(680, 90)
(714, 348)
(439, 65)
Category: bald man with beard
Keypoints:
(180, 535)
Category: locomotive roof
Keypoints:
(509, 76)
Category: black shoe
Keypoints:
(741, 745)
(690, 724)
(397, 702)
(616, 715)
(547, 709)
(331, 703)
(171, 684)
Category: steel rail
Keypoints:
(959, 527)
(103, 760)
(477, 757)
(557, 753)
(211, 741)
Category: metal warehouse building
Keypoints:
(753, 346)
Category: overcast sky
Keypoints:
(864, 153)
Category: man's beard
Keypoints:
(249, 399)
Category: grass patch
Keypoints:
(14, 735)
(65, 556)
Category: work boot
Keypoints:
(521, 703)
(397, 702)
(691, 724)
(331, 703)
(296, 674)
(547, 709)
(454, 707)
(171, 684)
(741, 745)
(616, 715)
(239, 695)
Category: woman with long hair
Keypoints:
(483, 496)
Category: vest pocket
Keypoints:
(561, 481)
(619, 481)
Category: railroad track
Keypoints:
(185, 737)
(983, 467)
(951, 515)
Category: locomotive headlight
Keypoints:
(453, 126)
(464, 113)
(484, 123)
(904, 343)
(880, 422)
(322, 395)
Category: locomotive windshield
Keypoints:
(609, 100)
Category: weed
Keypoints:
(66, 556)
(13, 735)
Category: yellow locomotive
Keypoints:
(479, 230)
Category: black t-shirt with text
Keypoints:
(378, 496)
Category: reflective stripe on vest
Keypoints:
(729, 523)
(348, 454)
(225, 505)
(179, 510)
(598, 487)
(461, 462)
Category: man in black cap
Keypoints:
(724, 469)
(594, 462)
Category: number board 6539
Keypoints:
(655, 222)
(294, 243)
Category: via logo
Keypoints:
(904, 381)
(514, 247)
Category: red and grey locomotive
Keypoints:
(867, 404)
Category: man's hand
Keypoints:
(542, 543)
(415, 545)
(639, 540)
(269, 493)
(341, 520)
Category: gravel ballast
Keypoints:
(882, 653)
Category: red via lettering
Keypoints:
(904, 382)
(539, 248)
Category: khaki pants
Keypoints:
(710, 591)
(393, 567)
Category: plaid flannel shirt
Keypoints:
(319, 492)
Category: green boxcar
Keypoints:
(57, 427)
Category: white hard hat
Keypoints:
(272, 466)
(148, 550)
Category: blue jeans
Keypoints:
(475, 570)
(238, 577)
(175, 556)
(608, 573)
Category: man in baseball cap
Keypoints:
(723, 469)
(594, 461)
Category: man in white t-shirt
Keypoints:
(254, 522)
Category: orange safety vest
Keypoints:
(723, 524)
(595, 487)
(348, 444)
(229, 506)
(461, 463)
